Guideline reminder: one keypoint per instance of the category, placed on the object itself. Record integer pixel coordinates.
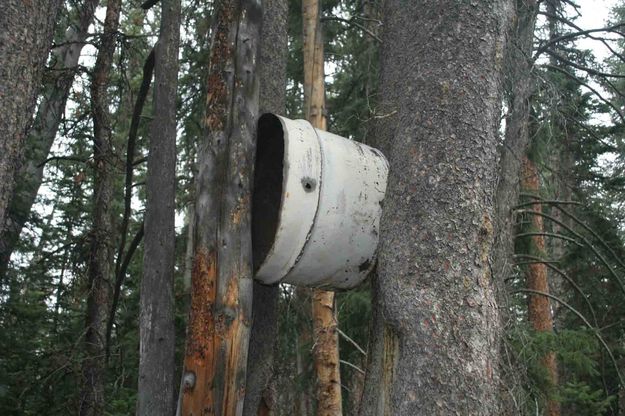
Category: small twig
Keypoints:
(351, 341)
(567, 36)
(70, 158)
(545, 202)
(580, 316)
(554, 235)
(351, 22)
(381, 116)
(140, 161)
(355, 367)
(584, 239)
(568, 279)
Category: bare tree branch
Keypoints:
(580, 316)
(544, 47)
(352, 23)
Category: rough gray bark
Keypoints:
(272, 99)
(519, 87)
(101, 256)
(156, 395)
(26, 31)
(436, 338)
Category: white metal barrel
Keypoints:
(316, 205)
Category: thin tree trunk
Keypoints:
(188, 253)
(303, 358)
(519, 86)
(437, 324)
(325, 336)
(221, 300)
(26, 32)
(264, 332)
(539, 309)
(562, 161)
(101, 255)
(156, 395)
(125, 256)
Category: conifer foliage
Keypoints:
(126, 169)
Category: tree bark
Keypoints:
(221, 300)
(156, 395)
(325, 336)
(26, 32)
(438, 327)
(519, 87)
(539, 308)
(122, 255)
(264, 332)
(101, 255)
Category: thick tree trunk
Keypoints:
(264, 332)
(26, 31)
(101, 255)
(156, 394)
(325, 336)
(221, 300)
(438, 329)
(539, 309)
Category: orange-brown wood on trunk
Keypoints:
(326, 351)
(199, 360)
(539, 308)
(221, 299)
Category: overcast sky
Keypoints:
(594, 14)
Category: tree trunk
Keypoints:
(325, 336)
(102, 248)
(188, 252)
(539, 309)
(519, 87)
(438, 329)
(221, 300)
(264, 332)
(157, 333)
(303, 359)
(123, 257)
(26, 32)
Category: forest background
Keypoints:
(562, 288)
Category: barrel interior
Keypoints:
(268, 184)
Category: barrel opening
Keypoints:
(268, 184)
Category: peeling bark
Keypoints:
(221, 300)
(437, 327)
